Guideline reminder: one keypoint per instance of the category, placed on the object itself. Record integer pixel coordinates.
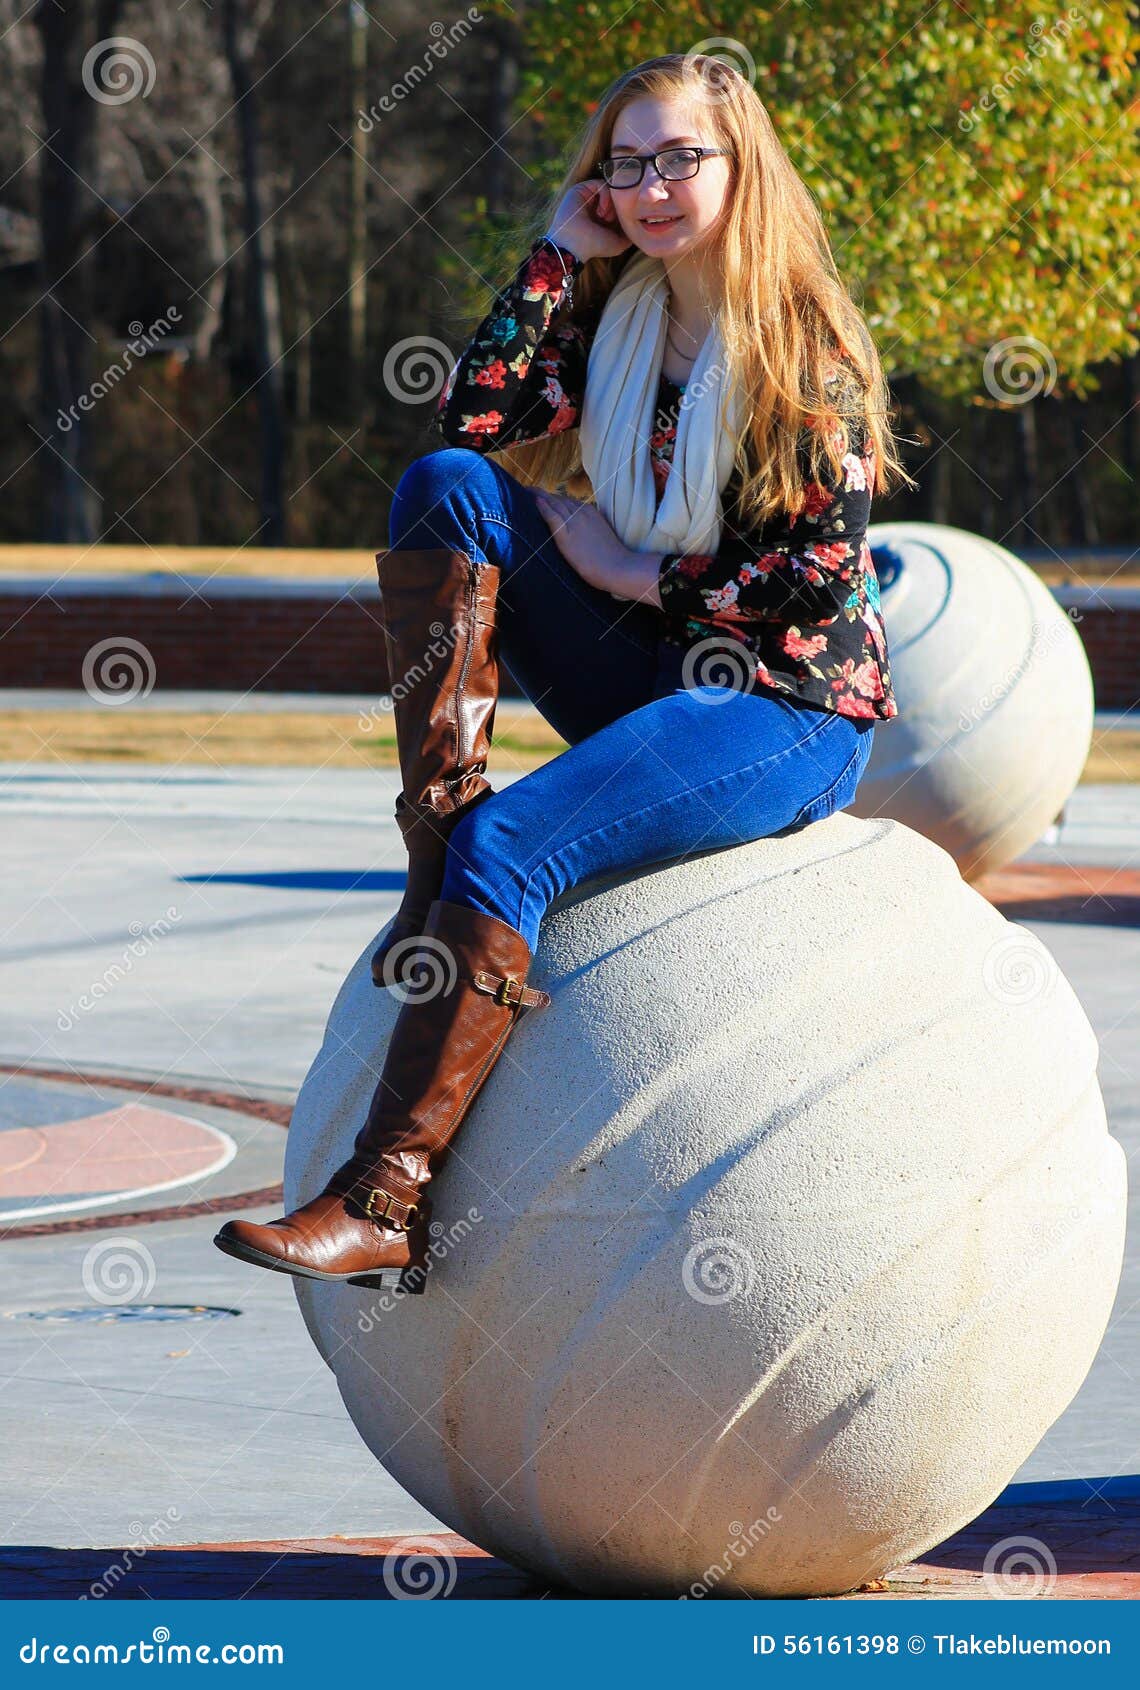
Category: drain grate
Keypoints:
(124, 1311)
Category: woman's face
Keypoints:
(694, 207)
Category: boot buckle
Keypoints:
(386, 1211)
(509, 990)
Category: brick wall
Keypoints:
(286, 641)
(286, 636)
(1109, 625)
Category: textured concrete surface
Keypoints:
(810, 1248)
(994, 690)
(236, 1423)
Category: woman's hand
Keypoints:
(593, 550)
(586, 222)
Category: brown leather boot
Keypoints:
(440, 632)
(369, 1226)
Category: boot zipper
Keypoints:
(472, 601)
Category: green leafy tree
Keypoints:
(976, 166)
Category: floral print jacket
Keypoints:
(798, 595)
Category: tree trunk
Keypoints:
(264, 304)
(1086, 529)
(1028, 507)
(212, 293)
(502, 87)
(940, 463)
(299, 305)
(1132, 423)
(983, 465)
(357, 233)
(69, 213)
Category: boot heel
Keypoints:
(410, 1281)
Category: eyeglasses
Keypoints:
(677, 164)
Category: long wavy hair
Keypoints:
(786, 318)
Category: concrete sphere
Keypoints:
(768, 1252)
(994, 692)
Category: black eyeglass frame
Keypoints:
(643, 159)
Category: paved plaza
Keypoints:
(173, 941)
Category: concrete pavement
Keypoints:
(190, 928)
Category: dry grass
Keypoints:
(298, 563)
(152, 735)
(1114, 757)
(109, 733)
(294, 563)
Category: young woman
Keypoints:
(696, 613)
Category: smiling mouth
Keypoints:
(659, 222)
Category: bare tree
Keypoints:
(241, 23)
(70, 217)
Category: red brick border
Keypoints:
(261, 1107)
(310, 637)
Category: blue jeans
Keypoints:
(658, 766)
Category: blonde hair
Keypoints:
(786, 319)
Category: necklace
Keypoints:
(687, 357)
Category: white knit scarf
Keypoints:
(618, 413)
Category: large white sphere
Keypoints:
(771, 1248)
(994, 692)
